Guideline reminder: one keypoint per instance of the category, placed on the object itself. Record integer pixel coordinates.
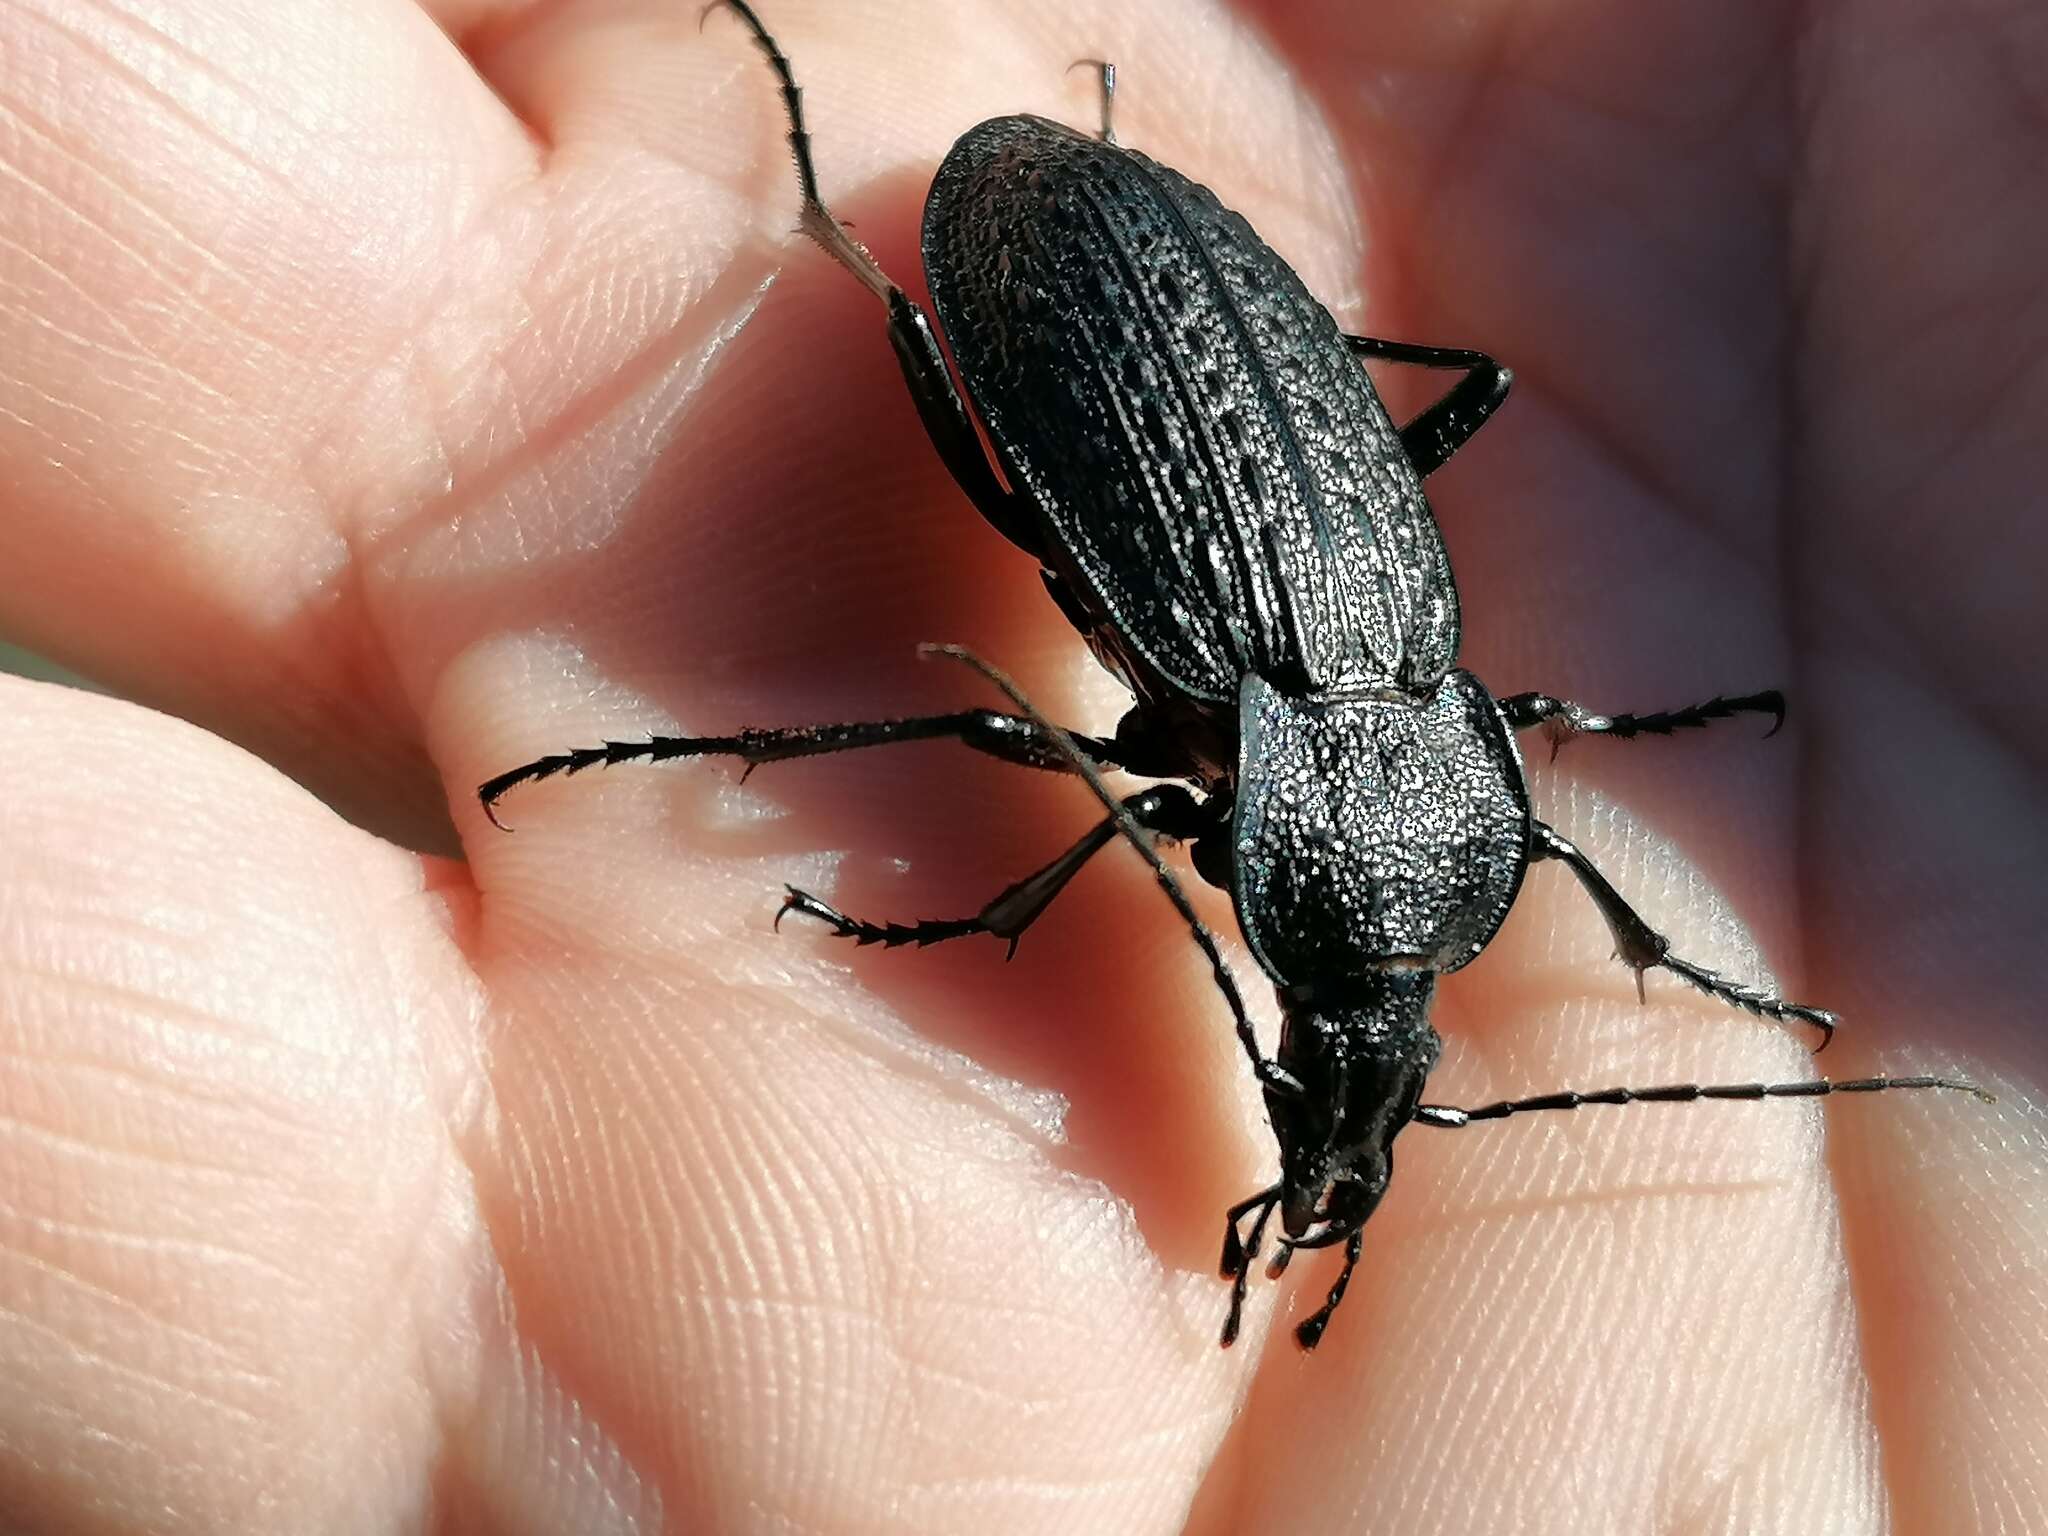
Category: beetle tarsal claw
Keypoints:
(795, 900)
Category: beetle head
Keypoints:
(1361, 1053)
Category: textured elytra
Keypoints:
(1370, 829)
(1216, 473)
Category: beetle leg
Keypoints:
(940, 405)
(1441, 430)
(1012, 738)
(1561, 719)
(1169, 810)
(1273, 1077)
(1639, 946)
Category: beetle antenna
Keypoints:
(1270, 1073)
(1448, 1117)
(817, 220)
(1107, 73)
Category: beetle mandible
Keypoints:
(1219, 503)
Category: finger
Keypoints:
(222, 221)
(1922, 539)
(875, 1277)
(238, 1246)
(1919, 546)
(1947, 1245)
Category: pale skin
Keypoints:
(399, 409)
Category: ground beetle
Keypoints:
(1219, 503)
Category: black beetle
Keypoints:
(1219, 503)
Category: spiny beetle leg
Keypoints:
(1562, 719)
(1445, 427)
(888, 935)
(939, 403)
(1170, 810)
(1273, 1077)
(1012, 738)
(1639, 946)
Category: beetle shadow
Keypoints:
(795, 543)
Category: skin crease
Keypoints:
(399, 409)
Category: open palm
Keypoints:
(401, 409)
